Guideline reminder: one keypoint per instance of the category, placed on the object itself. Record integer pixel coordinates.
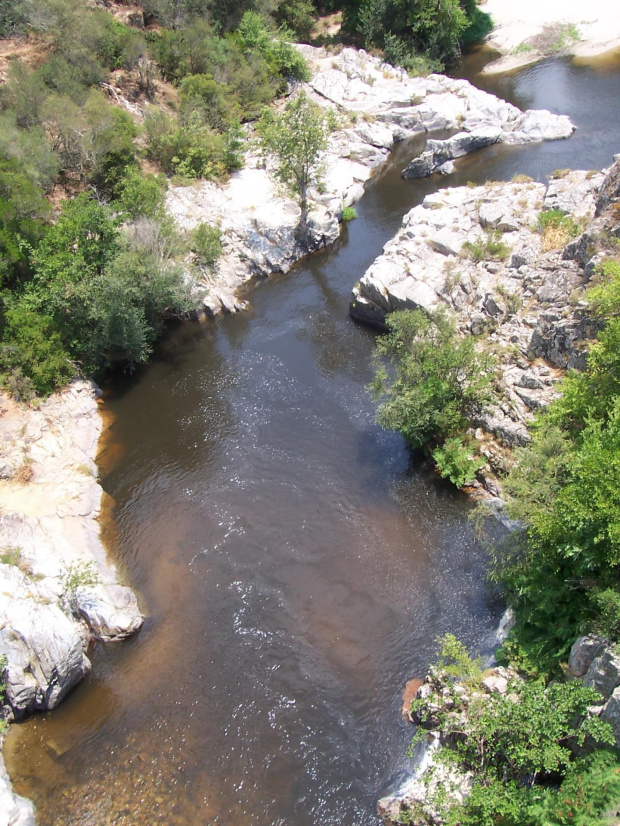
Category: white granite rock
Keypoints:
(377, 105)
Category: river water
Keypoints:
(295, 565)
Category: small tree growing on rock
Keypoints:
(296, 139)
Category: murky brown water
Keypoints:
(296, 569)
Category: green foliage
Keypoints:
(419, 36)
(397, 51)
(457, 461)
(32, 353)
(490, 246)
(296, 140)
(455, 660)
(281, 57)
(349, 213)
(142, 196)
(193, 149)
(479, 25)
(591, 788)
(23, 215)
(518, 747)
(90, 277)
(562, 577)
(14, 17)
(298, 16)
(439, 380)
(206, 244)
(606, 608)
(10, 555)
(202, 100)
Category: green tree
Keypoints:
(23, 216)
(296, 140)
(437, 381)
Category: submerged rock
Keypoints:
(14, 810)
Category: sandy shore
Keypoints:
(532, 29)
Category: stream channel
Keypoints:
(295, 566)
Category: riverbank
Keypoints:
(529, 31)
(58, 589)
(483, 254)
(376, 106)
(447, 704)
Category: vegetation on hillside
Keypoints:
(201, 69)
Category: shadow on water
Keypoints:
(296, 566)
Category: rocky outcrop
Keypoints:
(376, 106)
(529, 31)
(476, 251)
(57, 588)
(520, 127)
(598, 665)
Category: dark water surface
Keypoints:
(295, 568)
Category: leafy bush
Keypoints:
(349, 213)
(32, 353)
(190, 151)
(90, 276)
(142, 195)
(457, 461)
(283, 59)
(556, 228)
(23, 216)
(439, 380)
(206, 244)
(563, 575)
(518, 747)
(490, 246)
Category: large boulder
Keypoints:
(604, 673)
(584, 651)
(439, 151)
(611, 714)
(44, 649)
(110, 611)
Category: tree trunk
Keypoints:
(302, 229)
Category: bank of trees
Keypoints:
(87, 286)
(204, 69)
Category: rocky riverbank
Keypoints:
(58, 590)
(376, 106)
(482, 253)
(591, 660)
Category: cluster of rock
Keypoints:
(377, 106)
(477, 252)
(598, 664)
(58, 591)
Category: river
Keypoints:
(295, 565)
